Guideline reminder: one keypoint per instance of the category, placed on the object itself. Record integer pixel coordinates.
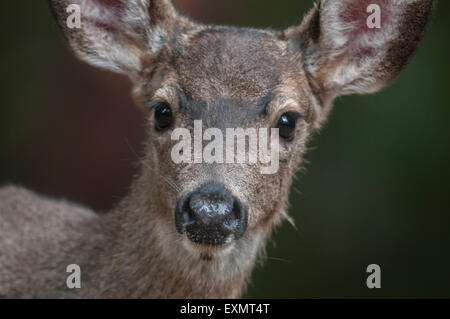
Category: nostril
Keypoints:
(183, 214)
(188, 217)
(237, 221)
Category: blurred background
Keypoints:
(376, 189)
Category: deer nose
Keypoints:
(211, 215)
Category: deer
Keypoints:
(196, 230)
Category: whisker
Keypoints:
(171, 183)
(278, 259)
(132, 150)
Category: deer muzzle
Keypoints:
(211, 215)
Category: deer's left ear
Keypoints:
(359, 46)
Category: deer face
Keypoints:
(196, 81)
(227, 78)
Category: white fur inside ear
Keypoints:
(156, 39)
(113, 36)
(118, 59)
(346, 37)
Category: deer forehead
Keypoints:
(234, 73)
(230, 63)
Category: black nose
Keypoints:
(211, 215)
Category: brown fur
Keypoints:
(228, 77)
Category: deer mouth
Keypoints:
(211, 216)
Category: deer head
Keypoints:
(196, 77)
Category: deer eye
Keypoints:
(163, 115)
(286, 124)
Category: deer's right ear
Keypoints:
(116, 34)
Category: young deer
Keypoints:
(195, 230)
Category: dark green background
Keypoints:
(376, 189)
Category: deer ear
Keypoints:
(359, 46)
(115, 34)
